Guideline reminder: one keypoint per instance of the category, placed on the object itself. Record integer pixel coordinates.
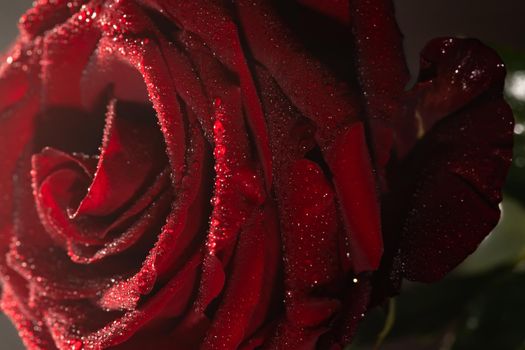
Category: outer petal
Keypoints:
(449, 185)
(336, 9)
(311, 230)
(353, 175)
(44, 15)
(67, 49)
(19, 104)
(329, 102)
(382, 70)
(218, 30)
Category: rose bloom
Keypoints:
(235, 174)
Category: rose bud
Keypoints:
(235, 175)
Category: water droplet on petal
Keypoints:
(76, 345)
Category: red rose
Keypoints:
(234, 175)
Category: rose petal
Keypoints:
(453, 73)
(37, 258)
(105, 69)
(336, 9)
(67, 50)
(17, 117)
(63, 321)
(454, 175)
(382, 69)
(176, 237)
(325, 99)
(310, 237)
(308, 214)
(289, 336)
(44, 15)
(142, 217)
(33, 334)
(448, 189)
(218, 31)
(15, 80)
(131, 144)
(147, 57)
(355, 304)
(272, 291)
(356, 190)
(242, 291)
(144, 223)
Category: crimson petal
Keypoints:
(336, 108)
(131, 144)
(44, 15)
(17, 115)
(382, 69)
(453, 176)
(337, 9)
(242, 292)
(218, 30)
(67, 50)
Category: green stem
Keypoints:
(389, 324)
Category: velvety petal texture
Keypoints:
(235, 175)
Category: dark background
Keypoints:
(499, 23)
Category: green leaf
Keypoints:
(504, 246)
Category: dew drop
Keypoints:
(220, 150)
(76, 345)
